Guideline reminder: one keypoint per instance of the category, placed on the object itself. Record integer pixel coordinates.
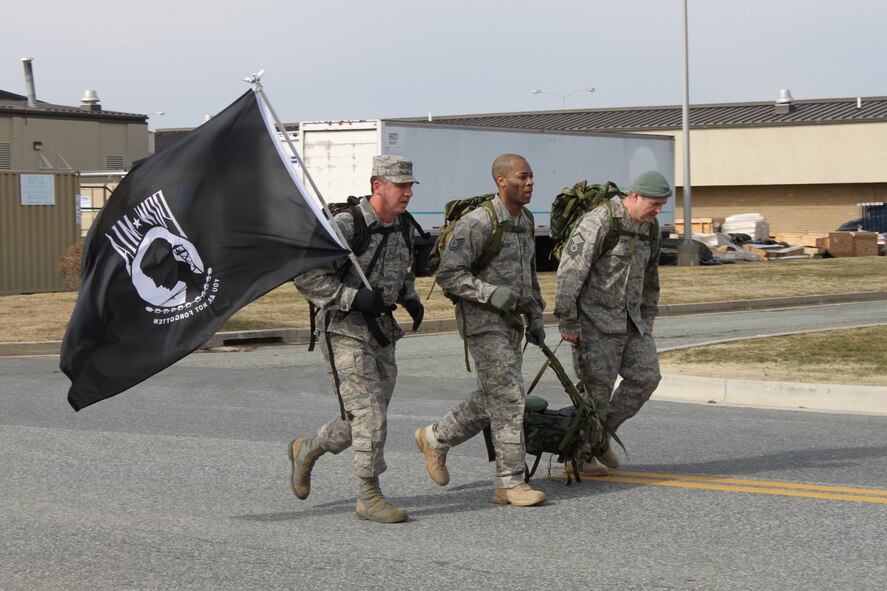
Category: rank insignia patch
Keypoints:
(574, 246)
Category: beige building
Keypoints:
(804, 165)
(45, 136)
(56, 165)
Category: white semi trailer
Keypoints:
(453, 162)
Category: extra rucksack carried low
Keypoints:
(562, 432)
(574, 433)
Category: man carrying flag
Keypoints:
(191, 235)
(359, 333)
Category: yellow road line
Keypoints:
(835, 493)
(745, 489)
(723, 480)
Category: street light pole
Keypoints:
(688, 254)
(563, 97)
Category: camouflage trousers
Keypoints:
(601, 357)
(498, 402)
(366, 374)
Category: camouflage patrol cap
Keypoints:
(396, 169)
(651, 184)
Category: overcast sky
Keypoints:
(353, 59)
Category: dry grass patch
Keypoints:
(851, 356)
(37, 317)
(749, 281)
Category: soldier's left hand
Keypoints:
(536, 336)
(416, 311)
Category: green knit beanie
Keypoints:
(651, 184)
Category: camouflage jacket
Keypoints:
(332, 287)
(604, 287)
(514, 267)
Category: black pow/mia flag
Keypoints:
(191, 235)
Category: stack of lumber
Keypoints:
(772, 252)
(700, 225)
(813, 242)
(852, 244)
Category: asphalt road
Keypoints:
(182, 483)
(681, 331)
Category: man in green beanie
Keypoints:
(606, 301)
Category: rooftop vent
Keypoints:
(29, 82)
(90, 101)
(784, 102)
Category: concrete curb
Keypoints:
(771, 303)
(785, 395)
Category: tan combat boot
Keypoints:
(303, 456)
(609, 458)
(590, 468)
(435, 460)
(372, 506)
(519, 496)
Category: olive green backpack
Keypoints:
(573, 202)
(453, 211)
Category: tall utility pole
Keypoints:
(688, 253)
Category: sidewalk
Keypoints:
(787, 395)
(784, 395)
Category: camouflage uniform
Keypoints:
(611, 297)
(494, 345)
(365, 370)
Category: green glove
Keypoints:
(504, 298)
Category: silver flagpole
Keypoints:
(255, 80)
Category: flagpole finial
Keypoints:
(255, 78)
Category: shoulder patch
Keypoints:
(574, 246)
(456, 243)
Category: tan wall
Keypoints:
(802, 208)
(33, 237)
(789, 155)
(82, 145)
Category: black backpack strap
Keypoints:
(360, 241)
(312, 312)
(488, 441)
(528, 472)
(410, 224)
(337, 384)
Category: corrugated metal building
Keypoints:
(41, 219)
(803, 164)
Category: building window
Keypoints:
(5, 156)
(114, 162)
